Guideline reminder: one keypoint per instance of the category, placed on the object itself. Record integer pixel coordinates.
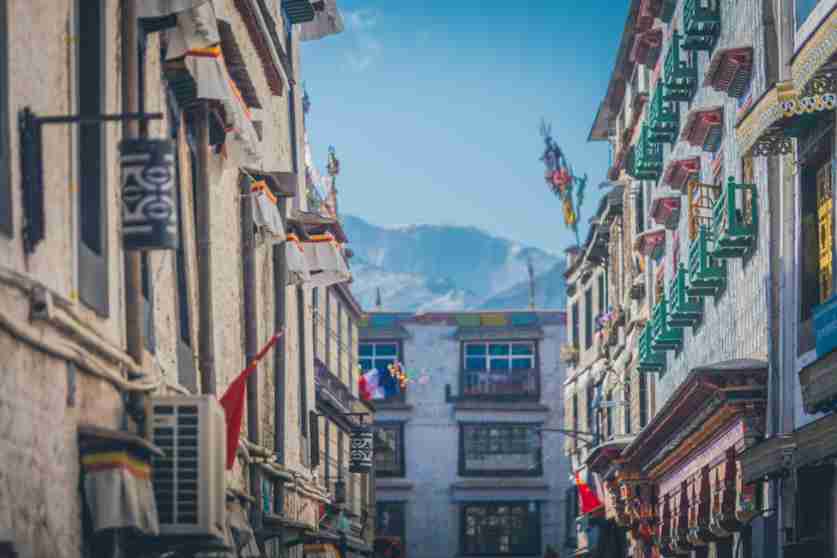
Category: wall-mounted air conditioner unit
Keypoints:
(189, 479)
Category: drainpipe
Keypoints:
(251, 327)
(206, 341)
(280, 282)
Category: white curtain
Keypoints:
(266, 215)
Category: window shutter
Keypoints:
(314, 443)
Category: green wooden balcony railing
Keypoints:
(668, 10)
(701, 24)
(680, 73)
(665, 337)
(684, 310)
(707, 275)
(647, 161)
(649, 359)
(735, 220)
(663, 118)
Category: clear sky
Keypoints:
(433, 107)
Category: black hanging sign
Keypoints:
(149, 203)
(362, 445)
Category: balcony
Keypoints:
(701, 24)
(650, 360)
(730, 70)
(680, 73)
(330, 388)
(707, 275)
(501, 384)
(663, 118)
(664, 337)
(684, 310)
(647, 160)
(735, 220)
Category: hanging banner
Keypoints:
(149, 205)
(362, 447)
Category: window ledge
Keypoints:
(384, 483)
(392, 406)
(511, 406)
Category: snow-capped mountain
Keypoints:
(446, 267)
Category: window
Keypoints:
(390, 526)
(315, 311)
(588, 318)
(499, 449)
(803, 10)
(379, 355)
(389, 450)
(92, 202)
(815, 522)
(500, 369)
(602, 294)
(643, 399)
(626, 408)
(327, 332)
(352, 365)
(507, 529)
(5, 166)
(591, 409)
(639, 210)
(303, 396)
(575, 412)
(816, 249)
(609, 414)
(570, 513)
(339, 340)
(575, 324)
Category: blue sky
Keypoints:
(433, 107)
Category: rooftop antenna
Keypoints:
(378, 298)
(531, 268)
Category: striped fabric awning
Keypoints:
(117, 481)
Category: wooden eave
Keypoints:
(282, 184)
(730, 70)
(679, 170)
(252, 21)
(236, 66)
(703, 403)
(699, 123)
(603, 456)
(314, 223)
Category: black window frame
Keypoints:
(6, 216)
(626, 408)
(400, 508)
(315, 322)
(327, 332)
(399, 356)
(303, 373)
(93, 261)
(339, 340)
(400, 468)
(571, 512)
(576, 329)
(535, 471)
(533, 536)
(643, 399)
(523, 395)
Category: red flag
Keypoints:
(233, 401)
(589, 501)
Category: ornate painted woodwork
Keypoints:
(724, 499)
(651, 243)
(665, 336)
(680, 172)
(730, 70)
(684, 310)
(665, 211)
(679, 72)
(701, 24)
(680, 535)
(735, 220)
(825, 224)
(707, 275)
(663, 118)
(704, 128)
(699, 532)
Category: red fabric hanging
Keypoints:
(589, 500)
(233, 401)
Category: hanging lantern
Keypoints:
(362, 444)
(149, 205)
(340, 491)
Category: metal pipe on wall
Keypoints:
(251, 325)
(206, 341)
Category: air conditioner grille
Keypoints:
(176, 473)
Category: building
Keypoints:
(459, 466)
(717, 271)
(138, 279)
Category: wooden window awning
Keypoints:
(258, 31)
(327, 21)
(236, 66)
(730, 70)
(649, 10)
(646, 48)
(651, 242)
(665, 211)
(680, 171)
(704, 128)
